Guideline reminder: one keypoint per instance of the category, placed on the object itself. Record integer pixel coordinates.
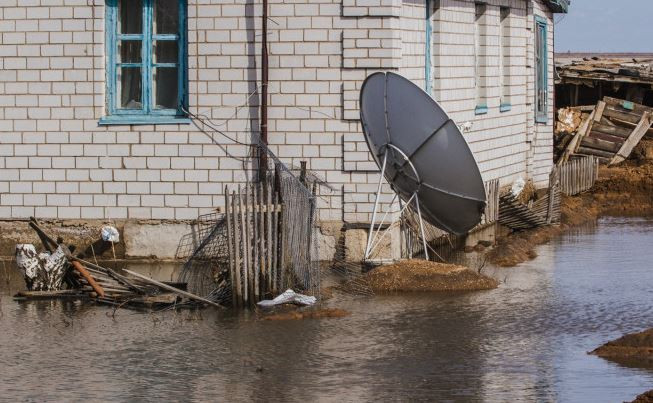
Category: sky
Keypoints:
(605, 26)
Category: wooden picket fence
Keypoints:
(578, 175)
(491, 214)
(255, 241)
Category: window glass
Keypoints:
(130, 16)
(166, 16)
(130, 88)
(165, 51)
(129, 51)
(165, 88)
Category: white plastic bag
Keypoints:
(289, 297)
(110, 234)
(518, 186)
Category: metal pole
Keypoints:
(376, 205)
(263, 157)
(421, 227)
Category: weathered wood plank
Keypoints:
(600, 144)
(607, 137)
(613, 113)
(598, 153)
(617, 131)
(634, 139)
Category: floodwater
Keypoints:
(525, 341)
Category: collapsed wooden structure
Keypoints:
(610, 132)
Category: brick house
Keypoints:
(93, 95)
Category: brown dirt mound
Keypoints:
(419, 275)
(309, 314)
(634, 350)
(646, 397)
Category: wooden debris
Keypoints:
(173, 289)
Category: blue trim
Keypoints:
(147, 66)
(505, 107)
(143, 120)
(542, 71)
(427, 52)
(481, 110)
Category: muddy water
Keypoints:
(526, 340)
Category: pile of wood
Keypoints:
(610, 132)
(57, 273)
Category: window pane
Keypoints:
(166, 16)
(165, 51)
(129, 51)
(130, 16)
(130, 88)
(165, 88)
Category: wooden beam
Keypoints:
(601, 144)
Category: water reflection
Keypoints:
(526, 340)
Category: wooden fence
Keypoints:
(255, 241)
(491, 214)
(578, 175)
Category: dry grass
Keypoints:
(420, 275)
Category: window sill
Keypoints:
(143, 120)
(542, 120)
(481, 110)
(505, 107)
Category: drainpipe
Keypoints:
(263, 160)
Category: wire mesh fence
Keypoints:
(210, 268)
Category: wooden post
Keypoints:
(275, 243)
(261, 235)
(237, 244)
(268, 239)
(254, 245)
(244, 242)
(232, 277)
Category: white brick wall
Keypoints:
(56, 161)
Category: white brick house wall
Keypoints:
(56, 161)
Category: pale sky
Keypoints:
(606, 26)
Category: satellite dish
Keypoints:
(421, 152)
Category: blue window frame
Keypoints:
(541, 71)
(146, 61)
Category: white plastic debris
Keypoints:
(110, 234)
(518, 186)
(289, 297)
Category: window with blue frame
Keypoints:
(146, 61)
(541, 71)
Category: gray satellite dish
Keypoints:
(421, 153)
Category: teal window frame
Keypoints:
(541, 71)
(147, 114)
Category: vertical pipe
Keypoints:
(427, 48)
(263, 161)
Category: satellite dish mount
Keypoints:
(373, 240)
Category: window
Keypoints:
(146, 61)
(504, 59)
(480, 41)
(541, 71)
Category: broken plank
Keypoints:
(619, 104)
(600, 144)
(627, 117)
(634, 139)
(597, 153)
(612, 130)
(607, 137)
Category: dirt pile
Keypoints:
(308, 314)
(624, 190)
(419, 275)
(646, 397)
(633, 350)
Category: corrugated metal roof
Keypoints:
(559, 6)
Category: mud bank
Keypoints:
(419, 275)
(632, 350)
(625, 190)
